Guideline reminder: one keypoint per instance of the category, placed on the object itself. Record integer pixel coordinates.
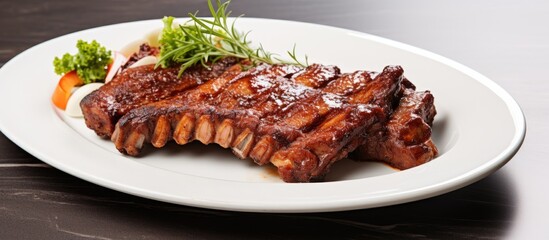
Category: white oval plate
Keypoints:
(478, 129)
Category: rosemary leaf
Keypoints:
(199, 41)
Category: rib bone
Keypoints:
(184, 129)
(263, 150)
(205, 131)
(243, 143)
(225, 133)
(161, 132)
(134, 142)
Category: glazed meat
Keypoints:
(190, 114)
(135, 87)
(365, 108)
(405, 141)
(300, 120)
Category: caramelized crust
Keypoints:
(405, 141)
(138, 86)
(300, 120)
(243, 98)
(310, 157)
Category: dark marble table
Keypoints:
(508, 41)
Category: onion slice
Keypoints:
(144, 61)
(118, 60)
(73, 105)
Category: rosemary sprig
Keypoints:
(200, 41)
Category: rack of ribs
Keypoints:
(300, 120)
(405, 141)
(138, 86)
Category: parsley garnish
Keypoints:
(90, 62)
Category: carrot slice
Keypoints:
(64, 88)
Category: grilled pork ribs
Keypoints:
(301, 120)
(406, 141)
(135, 87)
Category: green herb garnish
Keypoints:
(90, 62)
(199, 41)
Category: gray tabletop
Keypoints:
(508, 41)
